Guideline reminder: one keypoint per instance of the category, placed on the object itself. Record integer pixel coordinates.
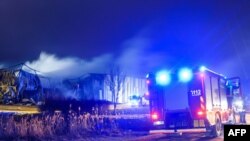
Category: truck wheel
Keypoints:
(217, 126)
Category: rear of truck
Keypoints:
(179, 107)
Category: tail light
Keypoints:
(154, 116)
(200, 113)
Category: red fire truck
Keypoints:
(197, 100)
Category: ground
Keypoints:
(141, 137)
(130, 133)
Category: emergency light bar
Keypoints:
(163, 77)
(185, 75)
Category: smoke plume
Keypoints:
(52, 66)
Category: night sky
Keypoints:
(140, 35)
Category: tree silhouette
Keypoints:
(115, 80)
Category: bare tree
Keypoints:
(115, 80)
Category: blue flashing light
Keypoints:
(202, 68)
(163, 78)
(185, 75)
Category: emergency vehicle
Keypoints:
(197, 100)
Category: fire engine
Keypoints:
(192, 100)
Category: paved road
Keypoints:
(176, 137)
(155, 137)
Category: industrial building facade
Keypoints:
(95, 87)
(17, 83)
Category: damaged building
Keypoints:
(19, 83)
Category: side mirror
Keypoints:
(233, 82)
(233, 85)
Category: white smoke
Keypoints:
(140, 57)
(52, 66)
(1, 66)
(135, 59)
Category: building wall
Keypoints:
(131, 86)
(96, 87)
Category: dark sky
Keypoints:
(140, 33)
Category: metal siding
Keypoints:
(208, 93)
(224, 103)
(215, 91)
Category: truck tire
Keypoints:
(217, 130)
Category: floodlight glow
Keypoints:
(163, 77)
(202, 68)
(185, 75)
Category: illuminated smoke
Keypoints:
(52, 66)
(1, 66)
(139, 56)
